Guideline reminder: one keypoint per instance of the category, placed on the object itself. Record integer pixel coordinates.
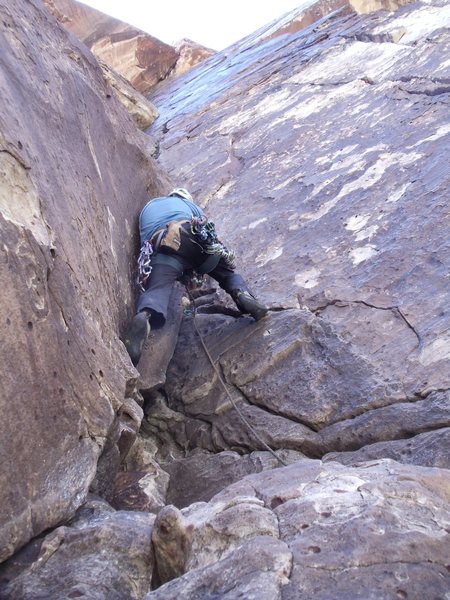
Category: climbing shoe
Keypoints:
(249, 304)
(136, 336)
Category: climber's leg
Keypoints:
(151, 310)
(235, 285)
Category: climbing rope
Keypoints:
(235, 406)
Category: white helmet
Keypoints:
(182, 193)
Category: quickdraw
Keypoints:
(144, 264)
(204, 232)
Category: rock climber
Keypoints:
(176, 239)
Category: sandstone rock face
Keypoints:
(255, 571)
(312, 530)
(141, 110)
(305, 377)
(139, 57)
(200, 476)
(74, 174)
(307, 391)
(189, 55)
(100, 554)
(312, 12)
(321, 155)
(430, 449)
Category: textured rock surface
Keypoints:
(189, 54)
(143, 490)
(430, 449)
(304, 377)
(353, 216)
(255, 571)
(139, 57)
(375, 531)
(68, 209)
(322, 153)
(101, 554)
(141, 110)
(310, 12)
(200, 476)
(329, 146)
(401, 420)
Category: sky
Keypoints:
(211, 23)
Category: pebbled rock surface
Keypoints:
(139, 57)
(68, 209)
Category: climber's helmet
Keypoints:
(182, 193)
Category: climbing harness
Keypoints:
(230, 397)
(204, 232)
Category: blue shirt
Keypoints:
(160, 211)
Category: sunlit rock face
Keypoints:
(68, 208)
(139, 57)
(190, 54)
(141, 110)
(310, 12)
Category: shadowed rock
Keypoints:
(141, 490)
(68, 206)
(200, 476)
(100, 554)
(431, 449)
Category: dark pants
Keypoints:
(162, 278)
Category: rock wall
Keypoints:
(321, 155)
(68, 207)
(311, 531)
(139, 57)
(310, 12)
